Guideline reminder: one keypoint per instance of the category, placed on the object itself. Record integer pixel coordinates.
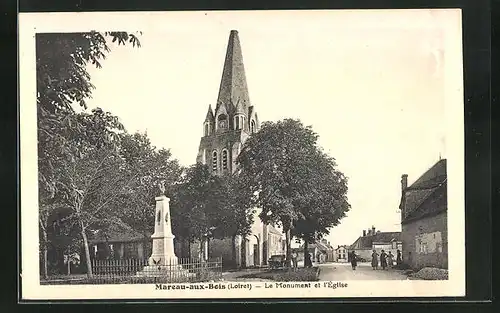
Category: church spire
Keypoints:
(210, 114)
(233, 86)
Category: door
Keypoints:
(256, 255)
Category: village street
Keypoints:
(343, 271)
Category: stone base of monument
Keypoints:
(172, 271)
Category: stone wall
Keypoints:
(425, 242)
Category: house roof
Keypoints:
(321, 246)
(119, 233)
(427, 195)
(366, 242)
(343, 246)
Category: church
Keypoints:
(225, 129)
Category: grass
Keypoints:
(299, 274)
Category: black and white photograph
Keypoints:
(242, 154)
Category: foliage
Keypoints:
(151, 167)
(61, 60)
(62, 81)
(295, 183)
(210, 206)
(326, 203)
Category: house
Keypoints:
(321, 251)
(376, 240)
(424, 219)
(341, 254)
(120, 243)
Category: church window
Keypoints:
(224, 159)
(214, 161)
(207, 129)
(222, 120)
(236, 122)
(252, 126)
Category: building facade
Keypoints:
(341, 254)
(225, 129)
(424, 219)
(376, 240)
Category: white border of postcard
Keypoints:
(31, 23)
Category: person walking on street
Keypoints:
(399, 261)
(390, 260)
(294, 259)
(374, 260)
(307, 260)
(383, 260)
(354, 260)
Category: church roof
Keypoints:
(210, 113)
(233, 86)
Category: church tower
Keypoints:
(226, 127)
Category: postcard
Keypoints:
(242, 154)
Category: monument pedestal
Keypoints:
(163, 260)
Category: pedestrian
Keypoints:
(374, 260)
(354, 260)
(383, 260)
(398, 258)
(307, 260)
(390, 260)
(294, 259)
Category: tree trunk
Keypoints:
(288, 248)
(69, 265)
(45, 271)
(201, 248)
(87, 251)
(306, 252)
(233, 250)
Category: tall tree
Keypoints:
(326, 203)
(285, 166)
(206, 206)
(192, 204)
(152, 166)
(63, 80)
(90, 177)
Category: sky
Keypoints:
(371, 84)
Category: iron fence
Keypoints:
(139, 271)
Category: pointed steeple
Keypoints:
(240, 109)
(210, 114)
(233, 86)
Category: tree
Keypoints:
(326, 204)
(90, 177)
(292, 179)
(234, 213)
(193, 204)
(152, 166)
(206, 206)
(63, 80)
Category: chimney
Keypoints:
(404, 185)
(404, 181)
(364, 233)
(373, 230)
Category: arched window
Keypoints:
(222, 120)
(214, 161)
(207, 129)
(224, 159)
(252, 126)
(236, 122)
